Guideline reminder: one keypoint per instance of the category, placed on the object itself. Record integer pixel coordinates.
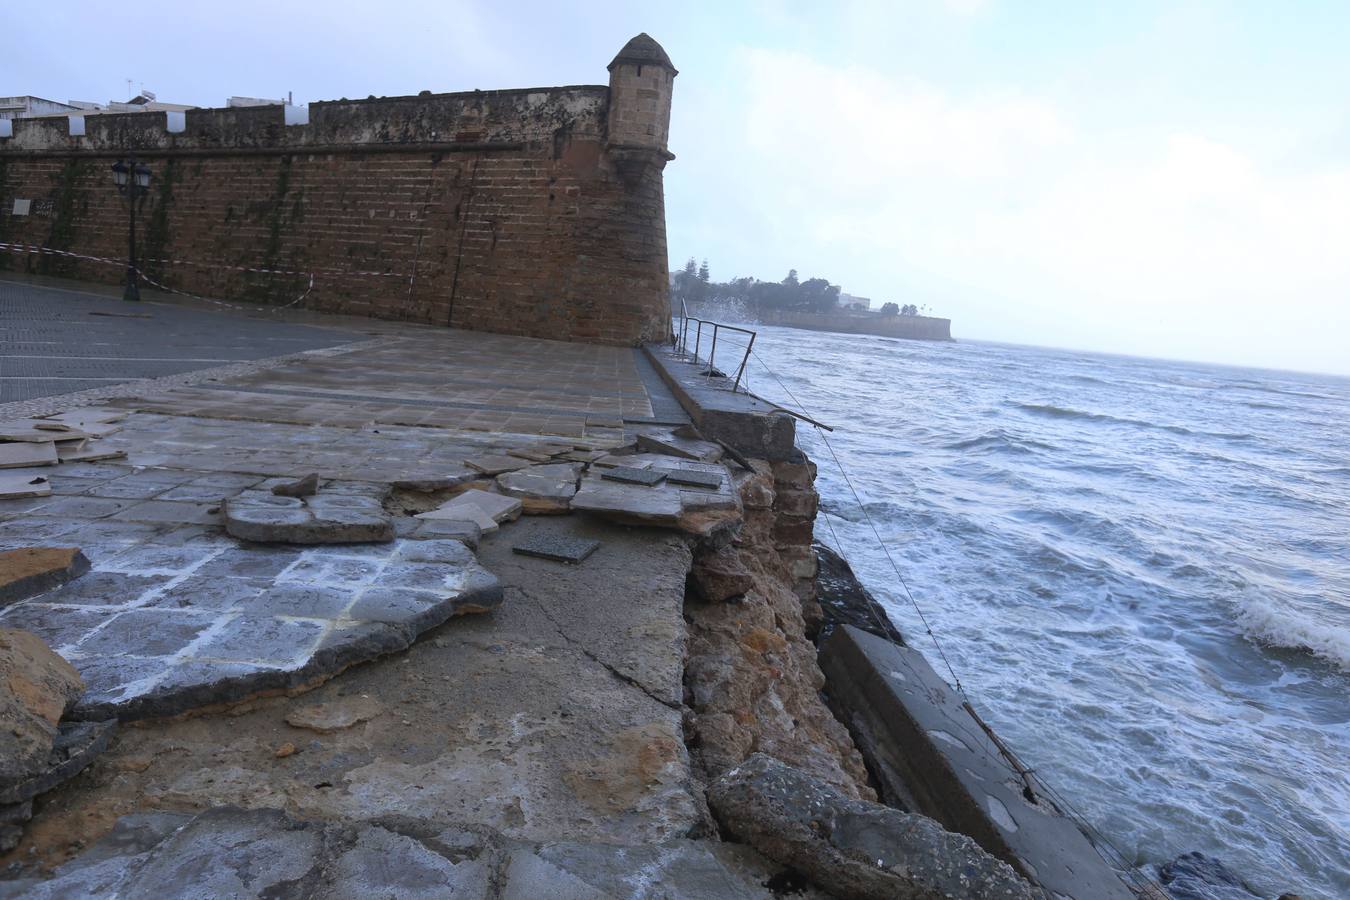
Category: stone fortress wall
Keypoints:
(537, 212)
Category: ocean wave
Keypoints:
(1063, 412)
(1291, 629)
(999, 439)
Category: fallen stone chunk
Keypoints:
(542, 490)
(92, 415)
(559, 547)
(466, 532)
(672, 444)
(632, 475)
(39, 687)
(307, 486)
(496, 507)
(720, 575)
(325, 718)
(75, 746)
(21, 487)
(340, 518)
(24, 453)
(29, 571)
(854, 847)
(496, 465)
(583, 456)
(12, 819)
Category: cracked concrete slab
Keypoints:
(333, 516)
(693, 510)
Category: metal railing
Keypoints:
(682, 343)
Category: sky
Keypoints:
(1165, 179)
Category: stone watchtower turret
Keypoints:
(641, 81)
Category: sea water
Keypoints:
(1139, 570)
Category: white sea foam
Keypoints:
(1276, 626)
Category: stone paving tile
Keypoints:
(178, 616)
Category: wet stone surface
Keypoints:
(332, 516)
(558, 547)
(630, 475)
(177, 616)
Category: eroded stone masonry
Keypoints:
(537, 212)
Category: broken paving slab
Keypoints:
(557, 547)
(38, 431)
(28, 571)
(86, 451)
(496, 465)
(668, 442)
(229, 851)
(40, 687)
(634, 475)
(695, 478)
(466, 532)
(664, 504)
(542, 490)
(160, 646)
(339, 518)
(475, 506)
(21, 487)
(26, 453)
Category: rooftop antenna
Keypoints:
(128, 88)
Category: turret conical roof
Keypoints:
(643, 50)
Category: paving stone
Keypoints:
(495, 507)
(301, 600)
(694, 478)
(36, 430)
(259, 516)
(562, 548)
(13, 456)
(172, 511)
(466, 532)
(542, 490)
(58, 628)
(103, 589)
(19, 487)
(531, 454)
(70, 452)
(672, 444)
(495, 465)
(139, 485)
(82, 507)
(667, 505)
(631, 475)
(150, 632)
(210, 488)
(33, 570)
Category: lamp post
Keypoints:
(132, 180)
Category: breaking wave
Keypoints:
(1279, 626)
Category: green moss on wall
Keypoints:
(69, 205)
(157, 227)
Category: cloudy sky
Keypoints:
(1156, 178)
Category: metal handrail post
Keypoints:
(744, 359)
(712, 353)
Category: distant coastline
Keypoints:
(919, 328)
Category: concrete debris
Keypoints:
(85, 451)
(40, 688)
(329, 518)
(695, 478)
(561, 548)
(307, 486)
(25, 453)
(542, 490)
(21, 487)
(667, 505)
(29, 571)
(859, 849)
(530, 454)
(233, 852)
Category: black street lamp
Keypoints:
(132, 180)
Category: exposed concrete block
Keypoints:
(926, 746)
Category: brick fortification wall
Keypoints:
(537, 212)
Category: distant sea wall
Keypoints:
(922, 328)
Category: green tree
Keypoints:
(890, 309)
